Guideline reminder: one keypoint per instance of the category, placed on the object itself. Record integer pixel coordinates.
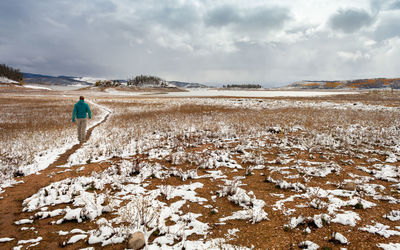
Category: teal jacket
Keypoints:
(80, 110)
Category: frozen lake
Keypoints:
(55, 87)
(250, 93)
(205, 92)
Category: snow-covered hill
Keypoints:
(187, 84)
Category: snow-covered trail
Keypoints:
(57, 155)
(63, 158)
(11, 200)
(106, 112)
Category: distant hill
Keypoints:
(53, 80)
(187, 84)
(349, 84)
(74, 80)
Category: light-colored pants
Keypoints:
(81, 122)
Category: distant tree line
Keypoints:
(143, 80)
(10, 73)
(107, 83)
(393, 83)
(244, 86)
(375, 83)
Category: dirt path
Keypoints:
(62, 159)
(11, 204)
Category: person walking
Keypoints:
(81, 108)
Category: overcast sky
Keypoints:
(271, 42)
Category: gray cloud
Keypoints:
(387, 28)
(175, 17)
(248, 19)
(379, 5)
(395, 5)
(350, 20)
(55, 37)
(222, 16)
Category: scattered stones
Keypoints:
(349, 186)
(136, 241)
(308, 245)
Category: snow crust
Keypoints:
(6, 239)
(380, 229)
(348, 218)
(6, 80)
(30, 241)
(36, 87)
(394, 215)
(389, 246)
(340, 238)
(142, 212)
(23, 221)
(76, 238)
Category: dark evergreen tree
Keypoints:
(243, 86)
(10, 73)
(142, 80)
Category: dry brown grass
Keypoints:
(31, 125)
(140, 117)
(20, 114)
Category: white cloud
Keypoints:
(353, 56)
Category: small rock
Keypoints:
(136, 241)
(214, 211)
(350, 186)
(308, 245)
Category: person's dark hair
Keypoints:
(81, 97)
